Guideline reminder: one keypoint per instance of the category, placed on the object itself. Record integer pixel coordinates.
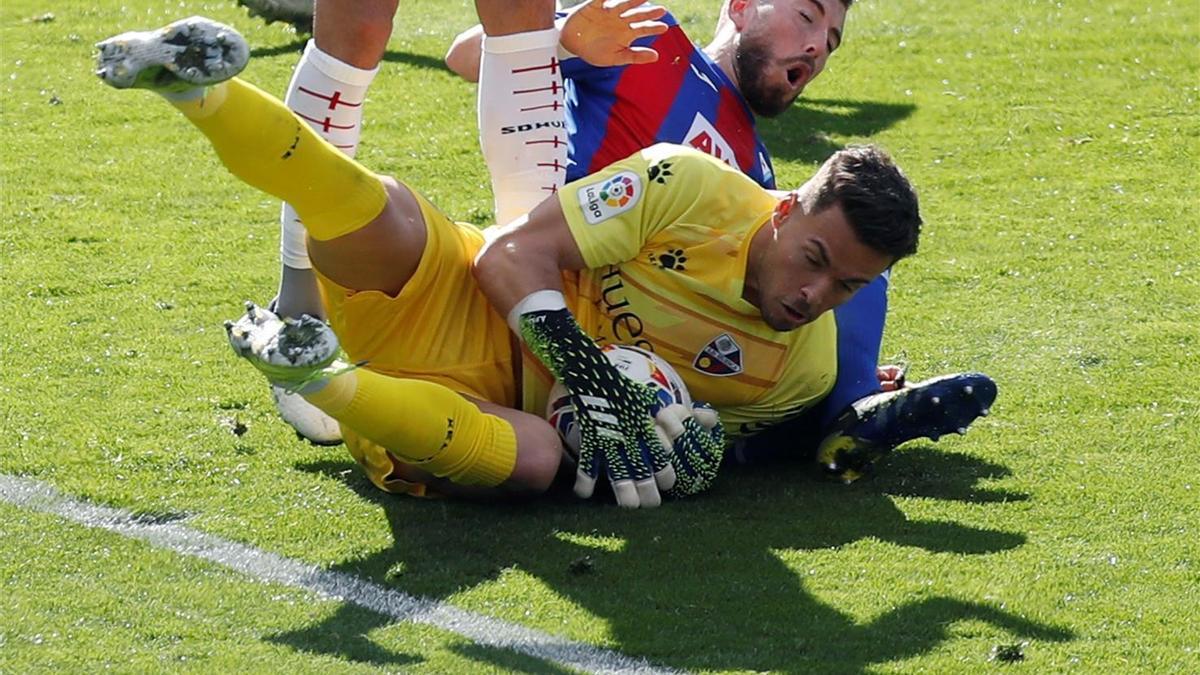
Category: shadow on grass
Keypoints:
(506, 661)
(297, 46)
(804, 132)
(704, 580)
(294, 47)
(344, 635)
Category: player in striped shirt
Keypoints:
(424, 306)
(763, 55)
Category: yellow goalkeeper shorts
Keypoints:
(440, 327)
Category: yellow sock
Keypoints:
(269, 148)
(423, 424)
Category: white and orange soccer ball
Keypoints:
(635, 363)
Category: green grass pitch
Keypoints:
(1056, 146)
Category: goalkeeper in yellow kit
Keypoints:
(669, 249)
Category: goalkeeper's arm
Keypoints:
(520, 271)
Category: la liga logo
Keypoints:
(618, 191)
(609, 197)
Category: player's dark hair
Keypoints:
(876, 197)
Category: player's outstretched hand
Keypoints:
(602, 32)
(615, 414)
(697, 441)
(617, 437)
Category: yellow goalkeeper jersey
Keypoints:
(665, 234)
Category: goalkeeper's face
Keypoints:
(807, 264)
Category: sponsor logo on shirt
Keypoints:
(721, 357)
(604, 199)
(626, 326)
(704, 137)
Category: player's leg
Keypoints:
(521, 115)
(366, 232)
(539, 456)
(858, 422)
(428, 429)
(363, 236)
(328, 90)
(860, 323)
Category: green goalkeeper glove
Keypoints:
(615, 414)
(697, 441)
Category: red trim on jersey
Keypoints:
(634, 118)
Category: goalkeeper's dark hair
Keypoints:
(876, 197)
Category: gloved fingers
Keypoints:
(706, 416)
(629, 461)
(626, 493)
(665, 478)
(658, 454)
(714, 440)
(647, 494)
(589, 461)
(585, 484)
(670, 419)
(664, 439)
(699, 440)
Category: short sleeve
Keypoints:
(613, 212)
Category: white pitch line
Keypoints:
(267, 566)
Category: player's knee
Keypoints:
(462, 58)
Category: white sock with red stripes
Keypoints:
(328, 94)
(522, 121)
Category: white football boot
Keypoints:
(310, 422)
(293, 354)
(181, 56)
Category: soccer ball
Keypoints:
(638, 365)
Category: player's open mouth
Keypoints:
(795, 315)
(798, 74)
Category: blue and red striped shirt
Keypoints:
(684, 98)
